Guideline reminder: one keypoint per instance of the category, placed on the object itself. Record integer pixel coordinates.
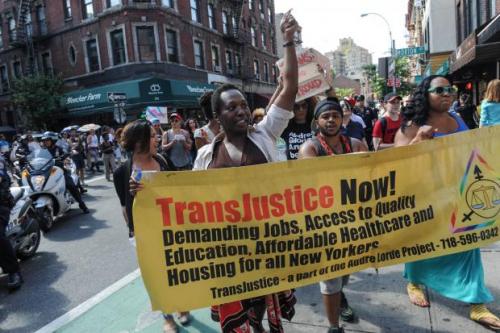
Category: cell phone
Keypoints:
(137, 174)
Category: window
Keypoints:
(17, 69)
(254, 37)
(215, 59)
(266, 72)
(199, 60)
(72, 55)
(211, 17)
(270, 15)
(87, 9)
(225, 23)
(42, 22)
(256, 70)
(29, 25)
(274, 73)
(168, 3)
(146, 43)
(12, 29)
(1, 33)
(47, 64)
(112, 3)
(263, 37)
(67, 8)
(251, 4)
(235, 25)
(92, 55)
(195, 11)
(118, 47)
(229, 61)
(172, 51)
(4, 78)
(491, 8)
(237, 62)
(262, 9)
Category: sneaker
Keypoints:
(15, 281)
(346, 312)
(335, 330)
(169, 326)
(84, 209)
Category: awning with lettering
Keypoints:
(135, 93)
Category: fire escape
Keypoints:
(24, 36)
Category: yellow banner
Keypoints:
(210, 237)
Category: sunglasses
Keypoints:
(449, 90)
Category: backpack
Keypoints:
(383, 123)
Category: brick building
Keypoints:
(154, 52)
(476, 59)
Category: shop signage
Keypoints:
(114, 97)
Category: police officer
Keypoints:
(8, 260)
(55, 151)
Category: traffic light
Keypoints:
(468, 86)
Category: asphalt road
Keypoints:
(79, 257)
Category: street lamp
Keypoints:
(392, 46)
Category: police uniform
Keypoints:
(8, 260)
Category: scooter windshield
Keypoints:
(40, 160)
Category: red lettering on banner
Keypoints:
(308, 86)
(305, 58)
(165, 210)
(290, 201)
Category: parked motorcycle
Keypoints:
(47, 187)
(23, 229)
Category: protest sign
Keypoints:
(314, 73)
(158, 112)
(211, 237)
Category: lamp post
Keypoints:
(392, 47)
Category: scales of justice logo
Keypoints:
(480, 196)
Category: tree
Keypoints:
(379, 85)
(38, 98)
(343, 92)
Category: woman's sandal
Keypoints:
(416, 295)
(480, 314)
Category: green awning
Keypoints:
(141, 92)
(444, 69)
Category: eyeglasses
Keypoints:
(449, 90)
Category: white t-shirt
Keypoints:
(205, 132)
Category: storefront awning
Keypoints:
(478, 48)
(135, 93)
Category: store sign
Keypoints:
(90, 97)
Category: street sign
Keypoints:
(410, 51)
(392, 66)
(114, 97)
(390, 82)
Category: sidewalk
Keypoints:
(380, 301)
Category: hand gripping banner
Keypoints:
(211, 237)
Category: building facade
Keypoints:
(355, 58)
(337, 61)
(153, 52)
(476, 59)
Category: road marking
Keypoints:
(88, 304)
(95, 179)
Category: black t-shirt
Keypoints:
(369, 117)
(353, 130)
(295, 135)
(121, 178)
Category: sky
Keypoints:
(324, 22)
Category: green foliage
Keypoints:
(379, 84)
(38, 99)
(343, 92)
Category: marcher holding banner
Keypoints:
(242, 145)
(458, 276)
(141, 141)
(328, 116)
